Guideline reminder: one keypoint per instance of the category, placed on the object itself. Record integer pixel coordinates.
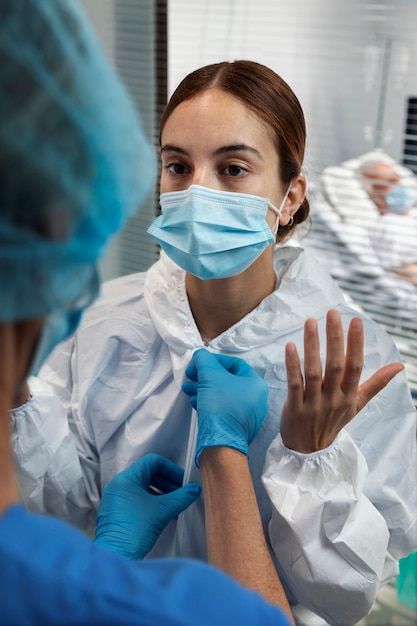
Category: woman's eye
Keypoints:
(177, 168)
(234, 170)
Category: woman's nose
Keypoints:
(203, 177)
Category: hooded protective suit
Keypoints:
(337, 520)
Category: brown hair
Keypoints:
(271, 98)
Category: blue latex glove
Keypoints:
(131, 516)
(231, 400)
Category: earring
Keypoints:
(291, 222)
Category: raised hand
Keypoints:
(318, 407)
(132, 515)
(231, 400)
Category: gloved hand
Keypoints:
(231, 400)
(131, 516)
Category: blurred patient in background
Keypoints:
(394, 235)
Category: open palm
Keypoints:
(318, 406)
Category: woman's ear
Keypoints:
(294, 199)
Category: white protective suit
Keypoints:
(337, 520)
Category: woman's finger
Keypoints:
(376, 382)
(335, 353)
(354, 357)
(295, 380)
(312, 364)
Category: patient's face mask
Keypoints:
(214, 234)
(399, 199)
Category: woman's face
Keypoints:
(214, 140)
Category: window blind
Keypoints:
(410, 135)
(134, 33)
(140, 41)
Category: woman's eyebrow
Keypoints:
(240, 147)
(170, 148)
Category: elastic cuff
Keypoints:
(311, 455)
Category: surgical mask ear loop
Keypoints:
(278, 211)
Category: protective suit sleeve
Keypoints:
(58, 471)
(53, 574)
(332, 543)
(78, 403)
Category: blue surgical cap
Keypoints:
(74, 162)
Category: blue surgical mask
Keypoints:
(214, 234)
(399, 199)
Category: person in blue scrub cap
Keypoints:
(74, 165)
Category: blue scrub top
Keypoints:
(52, 574)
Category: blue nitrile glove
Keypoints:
(131, 516)
(231, 400)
